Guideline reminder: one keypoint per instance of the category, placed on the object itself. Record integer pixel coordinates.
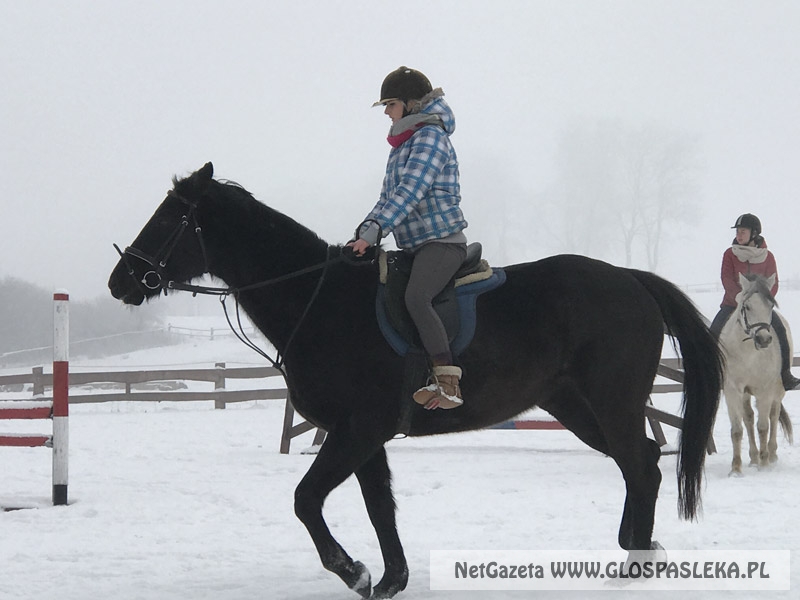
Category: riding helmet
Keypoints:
(404, 84)
(750, 221)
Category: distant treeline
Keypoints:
(26, 317)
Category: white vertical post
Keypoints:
(60, 396)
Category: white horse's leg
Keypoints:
(762, 425)
(734, 402)
(772, 445)
(749, 422)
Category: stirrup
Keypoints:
(434, 390)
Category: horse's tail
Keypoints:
(786, 425)
(703, 366)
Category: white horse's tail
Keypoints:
(786, 424)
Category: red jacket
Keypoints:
(762, 262)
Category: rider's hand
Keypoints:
(359, 246)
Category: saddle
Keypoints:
(455, 305)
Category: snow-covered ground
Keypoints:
(173, 501)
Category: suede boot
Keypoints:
(443, 389)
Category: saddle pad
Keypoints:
(483, 272)
(466, 297)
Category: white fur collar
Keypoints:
(750, 254)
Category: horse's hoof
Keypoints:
(388, 589)
(735, 473)
(659, 553)
(363, 580)
(656, 553)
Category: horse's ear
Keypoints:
(206, 173)
(744, 282)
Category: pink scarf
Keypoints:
(402, 131)
(395, 141)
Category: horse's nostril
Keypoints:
(763, 340)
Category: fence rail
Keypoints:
(208, 332)
(219, 376)
(669, 368)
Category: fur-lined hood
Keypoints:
(433, 103)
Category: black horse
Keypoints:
(577, 337)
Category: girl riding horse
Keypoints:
(748, 255)
(419, 204)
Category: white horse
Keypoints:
(753, 369)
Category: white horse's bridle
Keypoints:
(751, 329)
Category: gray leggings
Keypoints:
(435, 263)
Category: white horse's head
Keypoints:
(754, 308)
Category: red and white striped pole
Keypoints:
(60, 396)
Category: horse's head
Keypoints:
(169, 247)
(755, 304)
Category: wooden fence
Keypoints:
(129, 380)
(220, 374)
(138, 386)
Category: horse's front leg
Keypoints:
(734, 404)
(772, 443)
(346, 449)
(376, 487)
(750, 425)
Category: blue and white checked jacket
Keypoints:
(420, 198)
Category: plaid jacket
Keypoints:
(420, 198)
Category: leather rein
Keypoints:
(154, 279)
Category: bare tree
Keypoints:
(635, 181)
(583, 190)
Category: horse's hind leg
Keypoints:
(642, 481)
(566, 403)
(637, 458)
(376, 487)
(639, 468)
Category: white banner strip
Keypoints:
(610, 570)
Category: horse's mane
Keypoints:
(761, 286)
(254, 209)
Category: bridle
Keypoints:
(751, 329)
(154, 279)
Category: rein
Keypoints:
(154, 280)
(223, 293)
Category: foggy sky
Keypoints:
(103, 102)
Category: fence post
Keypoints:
(38, 381)
(219, 383)
(60, 397)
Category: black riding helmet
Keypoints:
(404, 84)
(750, 221)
